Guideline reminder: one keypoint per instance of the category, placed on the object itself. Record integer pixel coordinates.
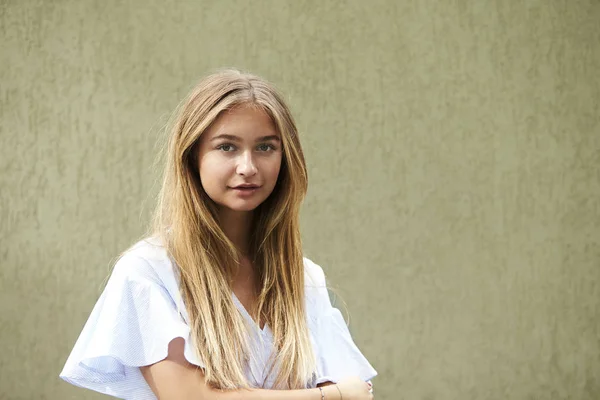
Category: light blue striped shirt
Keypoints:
(141, 310)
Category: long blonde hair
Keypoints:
(187, 223)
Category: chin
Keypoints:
(247, 207)
(243, 209)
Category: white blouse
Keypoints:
(141, 310)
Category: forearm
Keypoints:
(330, 392)
(174, 378)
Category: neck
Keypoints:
(236, 225)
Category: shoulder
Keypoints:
(147, 261)
(147, 268)
(315, 289)
(313, 273)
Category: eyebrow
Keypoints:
(238, 139)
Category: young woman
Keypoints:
(218, 302)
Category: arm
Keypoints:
(175, 379)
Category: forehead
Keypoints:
(246, 121)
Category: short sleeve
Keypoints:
(130, 326)
(337, 355)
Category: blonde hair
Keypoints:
(187, 223)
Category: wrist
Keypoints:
(331, 392)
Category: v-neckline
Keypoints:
(247, 314)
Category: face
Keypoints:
(239, 158)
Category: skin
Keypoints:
(242, 146)
(250, 153)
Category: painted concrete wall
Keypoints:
(454, 157)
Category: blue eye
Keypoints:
(226, 147)
(266, 147)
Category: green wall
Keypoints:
(454, 156)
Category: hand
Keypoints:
(355, 389)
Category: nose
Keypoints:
(246, 166)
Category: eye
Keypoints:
(265, 147)
(226, 147)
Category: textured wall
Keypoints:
(454, 158)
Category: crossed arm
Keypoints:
(174, 378)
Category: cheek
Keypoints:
(212, 171)
(274, 168)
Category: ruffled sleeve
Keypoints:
(130, 326)
(337, 355)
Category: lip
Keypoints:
(245, 191)
(246, 186)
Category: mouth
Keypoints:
(246, 187)
(245, 191)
